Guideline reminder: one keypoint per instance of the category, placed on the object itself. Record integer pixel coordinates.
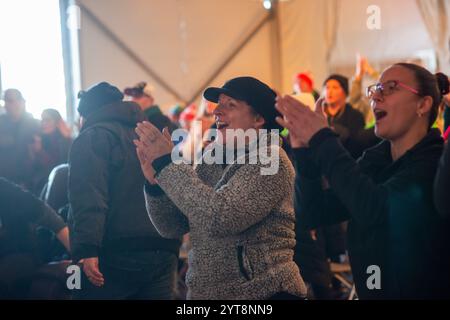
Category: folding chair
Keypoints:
(343, 273)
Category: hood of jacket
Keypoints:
(125, 112)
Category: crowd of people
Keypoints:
(360, 174)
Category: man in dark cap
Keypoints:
(123, 255)
(346, 121)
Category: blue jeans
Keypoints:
(135, 275)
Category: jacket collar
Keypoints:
(381, 153)
(124, 112)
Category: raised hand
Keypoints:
(302, 123)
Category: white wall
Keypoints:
(402, 32)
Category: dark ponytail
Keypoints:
(435, 86)
(443, 83)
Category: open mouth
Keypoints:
(221, 125)
(379, 114)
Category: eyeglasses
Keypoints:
(387, 88)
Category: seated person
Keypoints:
(20, 214)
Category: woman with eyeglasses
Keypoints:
(398, 244)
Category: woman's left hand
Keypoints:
(153, 144)
(302, 123)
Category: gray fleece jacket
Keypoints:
(241, 226)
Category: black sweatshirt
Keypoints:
(389, 204)
(19, 211)
(349, 124)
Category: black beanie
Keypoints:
(97, 96)
(343, 81)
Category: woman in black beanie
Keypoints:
(240, 220)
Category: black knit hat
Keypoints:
(256, 93)
(97, 96)
(343, 81)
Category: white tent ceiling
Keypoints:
(185, 41)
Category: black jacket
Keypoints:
(311, 257)
(349, 124)
(442, 185)
(106, 196)
(158, 119)
(392, 221)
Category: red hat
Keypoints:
(305, 77)
(189, 113)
